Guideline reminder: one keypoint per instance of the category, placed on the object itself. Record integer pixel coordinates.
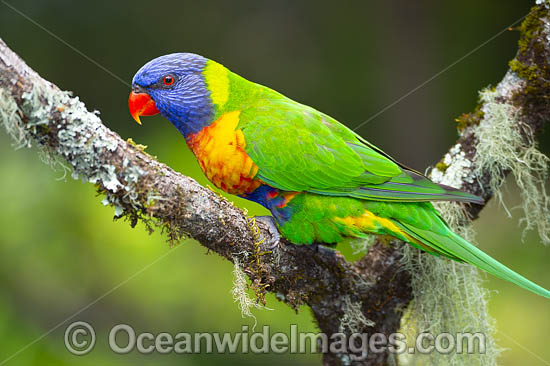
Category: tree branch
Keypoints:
(34, 110)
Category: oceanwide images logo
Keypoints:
(80, 339)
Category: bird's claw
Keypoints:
(275, 239)
(322, 249)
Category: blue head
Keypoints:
(176, 85)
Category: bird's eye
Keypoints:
(168, 80)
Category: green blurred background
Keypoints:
(61, 250)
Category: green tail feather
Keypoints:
(455, 247)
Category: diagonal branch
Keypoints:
(34, 111)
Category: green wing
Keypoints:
(298, 148)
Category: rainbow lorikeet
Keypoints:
(321, 181)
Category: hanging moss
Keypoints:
(505, 147)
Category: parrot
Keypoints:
(321, 181)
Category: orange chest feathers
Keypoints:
(219, 149)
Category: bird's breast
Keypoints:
(219, 149)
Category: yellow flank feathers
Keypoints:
(369, 222)
(219, 148)
(217, 82)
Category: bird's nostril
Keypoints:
(138, 89)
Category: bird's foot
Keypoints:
(275, 239)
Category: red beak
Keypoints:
(141, 104)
